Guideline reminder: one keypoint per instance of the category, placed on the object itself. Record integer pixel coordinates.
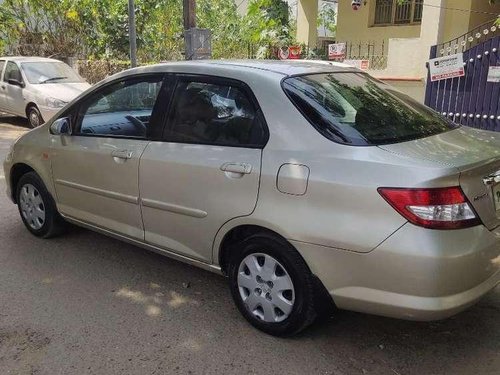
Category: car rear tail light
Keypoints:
(439, 208)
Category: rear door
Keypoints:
(206, 169)
(96, 169)
(14, 99)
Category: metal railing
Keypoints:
(374, 52)
(474, 37)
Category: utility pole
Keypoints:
(132, 33)
(189, 14)
(197, 41)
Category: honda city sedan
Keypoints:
(304, 183)
(36, 88)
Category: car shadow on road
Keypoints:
(14, 120)
(458, 343)
(156, 291)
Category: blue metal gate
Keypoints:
(470, 100)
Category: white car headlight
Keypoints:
(54, 103)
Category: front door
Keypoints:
(14, 98)
(96, 168)
(3, 87)
(206, 170)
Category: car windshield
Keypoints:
(355, 109)
(49, 72)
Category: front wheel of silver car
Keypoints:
(271, 285)
(34, 116)
(37, 207)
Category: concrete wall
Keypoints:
(358, 25)
(458, 17)
(477, 19)
(408, 46)
(457, 22)
(307, 25)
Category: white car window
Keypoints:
(12, 72)
(123, 109)
(2, 64)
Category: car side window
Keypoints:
(215, 114)
(2, 64)
(122, 109)
(12, 72)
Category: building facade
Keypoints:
(406, 32)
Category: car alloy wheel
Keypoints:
(32, 206)
(266, 288)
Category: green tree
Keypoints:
(267, 24)
(327, 18)
(40, 27)
(222, 19)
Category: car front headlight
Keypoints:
(54, 103)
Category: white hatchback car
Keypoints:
(36, 87)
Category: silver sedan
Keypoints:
(303, 183)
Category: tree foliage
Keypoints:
(267, 23)
(327, 18)
(41, 27)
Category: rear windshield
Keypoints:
(355, 109)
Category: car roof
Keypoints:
(28, 59)
(283, 68)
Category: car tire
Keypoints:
(35, 118)
(278, 298)
(37, 207)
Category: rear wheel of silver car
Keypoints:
(271, 285)
(37, 207)
(34, 116)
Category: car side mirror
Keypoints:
(61, 126)
(15, 82)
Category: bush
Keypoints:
(96, 70)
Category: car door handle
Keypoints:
(122, 154)
(240, 168)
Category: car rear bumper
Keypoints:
(416, 274)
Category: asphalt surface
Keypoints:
(87, 304)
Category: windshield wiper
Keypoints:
(53, 79)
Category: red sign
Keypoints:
(289, 53)
(294, 52)
(360, 64)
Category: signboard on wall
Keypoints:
(360, 64)
(446, 67)
(289, 53)
(337, 51)
(494, 74)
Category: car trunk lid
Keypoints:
(475, 154)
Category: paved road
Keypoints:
(87, 304)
